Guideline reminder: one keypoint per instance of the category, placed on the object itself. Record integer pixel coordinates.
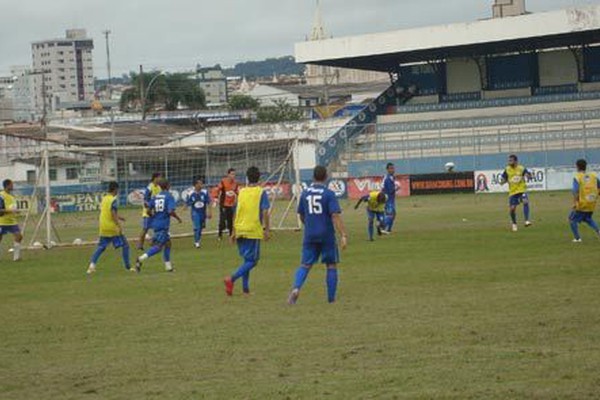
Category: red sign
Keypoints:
(359, 187)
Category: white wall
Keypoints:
(557, 68)
(463, 76)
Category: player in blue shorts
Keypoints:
(162, 208)
(199, 202)
(9, 218)
(586, 187)
(516, 176)
(111, 230)
(320, 213)
(149, 192)
(251, 225)
(376, 203)
(389, 189)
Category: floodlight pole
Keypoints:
(112, 111)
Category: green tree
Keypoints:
(243, 102)
(167, 91)
(281, 111)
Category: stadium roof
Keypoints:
(385, 51)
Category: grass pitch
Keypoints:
(452, 306)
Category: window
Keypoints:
(31, 176)
(53, 174)
(72, 173)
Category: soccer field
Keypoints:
(452, 306)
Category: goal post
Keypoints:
(64, 200)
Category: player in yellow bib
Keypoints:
(251, 225)
(516, 176)
(376, 202)
(8, 218)
(586, 187)
(111, 231)
(149, 193)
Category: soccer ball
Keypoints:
(449, 167)
(77, 242)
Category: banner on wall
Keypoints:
(76, 202)
(460, 182)
(490, 181)
(359, 187)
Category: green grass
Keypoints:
(453, 306)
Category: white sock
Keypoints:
(92, 266)
(168, 266)
(143, 257)
(17, 251)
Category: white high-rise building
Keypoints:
(67, 68)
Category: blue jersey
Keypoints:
(389, 186)
(317, 206)
(198, 202)
(163, 204)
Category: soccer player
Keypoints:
(389, 188)
(162, 208)
(586, 187)
(111, 230)
(227, 194)
(199, 201)
(320, 212)
(151, 190)
(8, 218)
(250, 227)
(516, 175)
(376, 203)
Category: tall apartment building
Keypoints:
(67, 67)
(213, 82)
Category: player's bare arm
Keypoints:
(267, 224)
(338, 222)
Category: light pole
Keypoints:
(147, 91)
(112, 111)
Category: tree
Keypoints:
(280, 112)
(168, 91)
(242, 102)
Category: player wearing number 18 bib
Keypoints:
(162, 208)
(320, 213)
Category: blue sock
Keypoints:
(167, 254)
(370, 229)
(593, 225)
(197, 235)
(526, 211)
(97, 254)
(513, 216)
(332, 281)
(246, 282)
(575, 229)
(243, 270)
(154, 250)
(125, 255)
(301, 275)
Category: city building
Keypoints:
(325, 75)
(65, 66)
(213, 82)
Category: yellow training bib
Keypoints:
(10, 203)
(247, 215)
(516, 180)
(588, 192)
(108, 227)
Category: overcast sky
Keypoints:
(177, 34)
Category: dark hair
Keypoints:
(381, 197)
(581, 165)
(320, 173)
(198, 179)
(112, 186)
(253, 175)
(163, 184)
(156, 175)
(230, 170)
(514, 157)
(389, 165)
(6, 183)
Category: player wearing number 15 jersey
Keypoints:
(320, 213)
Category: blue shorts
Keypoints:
(116, 241)
(6, 229)
(161, 237)
(147, 223)
(379, 216)
(580, 216)
(199, 221)
(327, 252)
(249, 249)
(518, 199)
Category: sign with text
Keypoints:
(359, 187)
(460, 182)
(491, 181)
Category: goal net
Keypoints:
(62, 195)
